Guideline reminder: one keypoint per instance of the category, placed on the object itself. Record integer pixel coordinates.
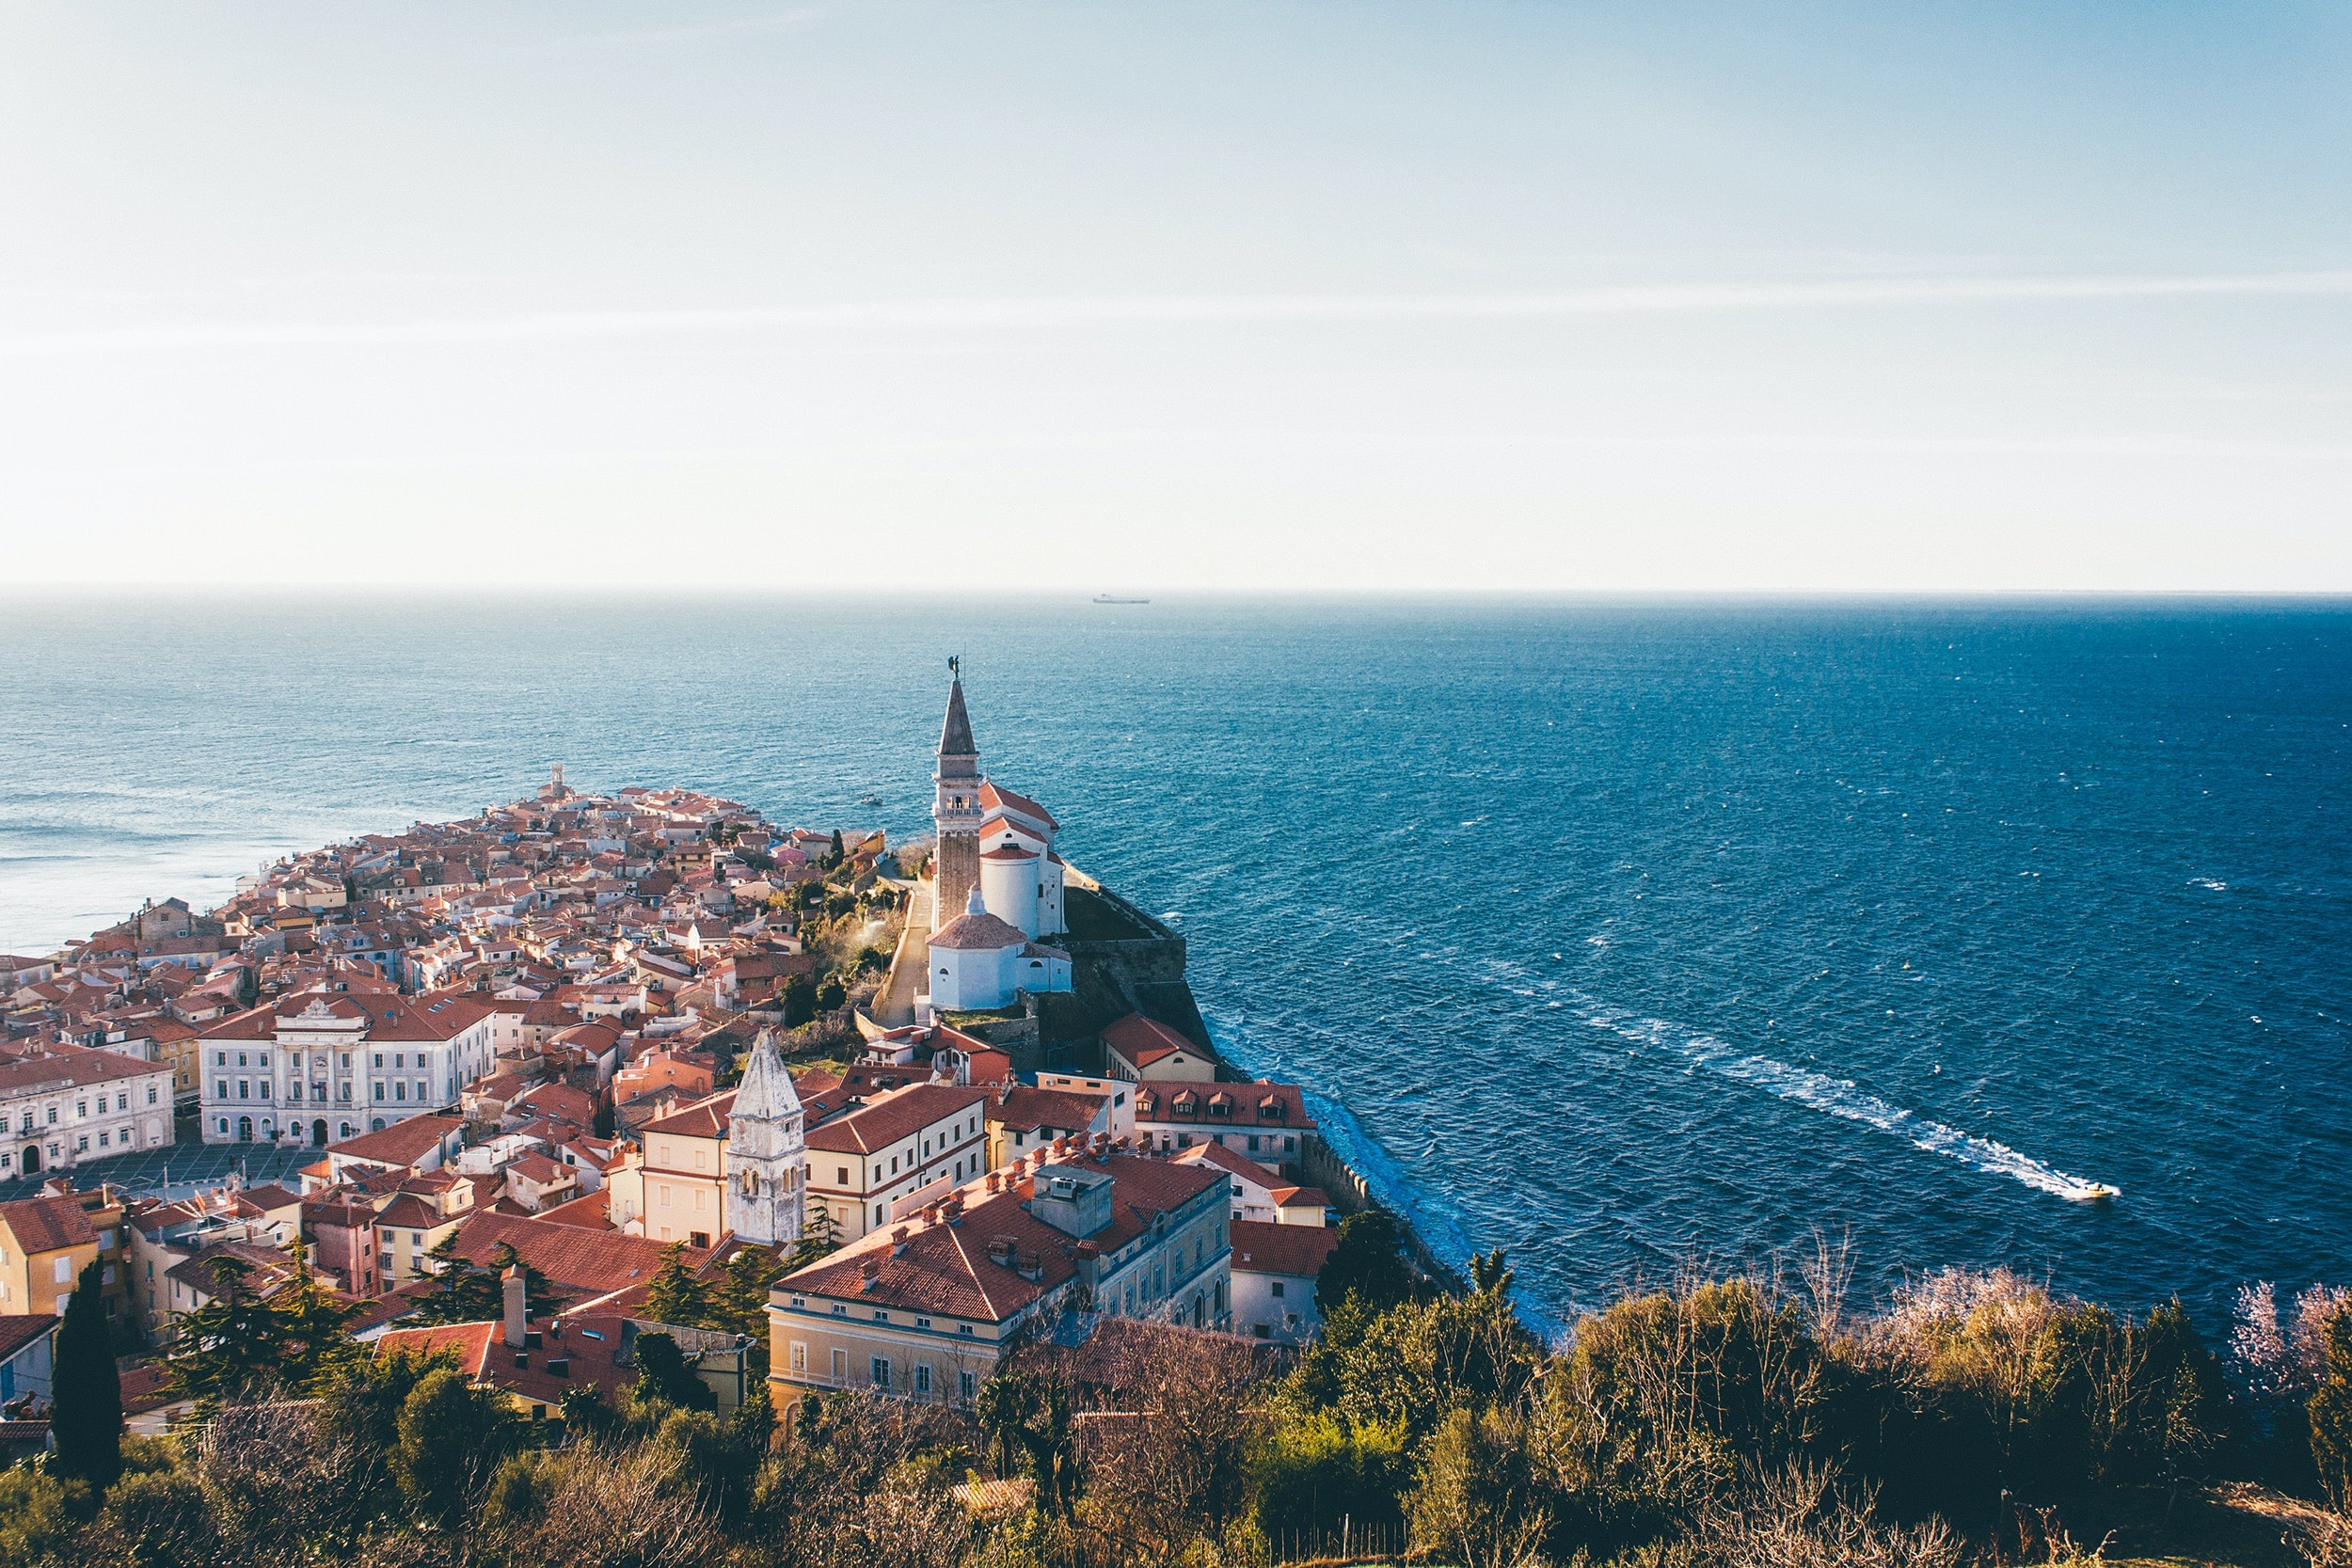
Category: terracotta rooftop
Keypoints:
(71, 1067)
(706, 1118)
(403, 1143)
(19, 1329)
(1216, 1105)
(1065, 1110)
(48, 1224)
(947, 1269)
(1143, 1041)
(579, 1261)
(977, 933)
(1295, 1250)
(994, 795)
(894, 1116)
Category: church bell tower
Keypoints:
(956, 808)
(767, 1157)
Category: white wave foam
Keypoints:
(1842, 1097)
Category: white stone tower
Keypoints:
(767, 1161)
(955, 808)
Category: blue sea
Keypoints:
(1619, 934)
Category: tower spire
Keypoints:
(955, 806)
(955, 735)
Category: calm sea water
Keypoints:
(1613, 933)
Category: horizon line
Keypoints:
(413, 591)
(999, 313)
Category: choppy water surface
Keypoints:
(1620, 932)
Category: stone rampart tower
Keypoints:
(956, 808)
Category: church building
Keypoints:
(997, 887)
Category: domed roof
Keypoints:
(979, 933)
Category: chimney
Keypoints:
(868, 1272)
(898, 1242)
(995, 1182)
(512, 1284)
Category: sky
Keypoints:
(1261, 297)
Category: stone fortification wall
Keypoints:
(1352, 1195)
(1122, 961)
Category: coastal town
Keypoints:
(623, 1180)
(515, 1086)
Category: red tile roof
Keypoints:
(539, 1168)
(945, 1268)
(979, 933)
(407, 1212)
(704, 1119)
(70, 1067)
(560, 1102)
(589, 1212)
(577, 1261)
(1143, 1041)
(897, 1115)
(48, 1224)
(403, 1143)
(20, 1329)
(994, 795)
(586, 1345)
(1250, 1106)
(1064, 1110)
(1295, 1250)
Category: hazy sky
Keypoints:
(1113, 296)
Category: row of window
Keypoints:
(244, 1124)
(879, 1372)
(318, 1063)
(110, 1139)
(1287, 1143)
(82, 1108)
(266, 1091)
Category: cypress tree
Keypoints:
(88, 1421)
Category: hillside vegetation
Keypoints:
(1748, 1421)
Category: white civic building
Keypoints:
(1005, 877)
(319, 1068)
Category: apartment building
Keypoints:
(874, 1166)
(70, 1104)
(927, 1309)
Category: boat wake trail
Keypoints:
(1843, 1099)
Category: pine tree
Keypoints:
(465, 1293)
(1369, 1261)
(88, 1421)
(230, 1345)
(316, 1349)
(676, 1296)
(739, 1299)
(819, 1238)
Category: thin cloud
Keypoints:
(1020, 314)
(742, 26)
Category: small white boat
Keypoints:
(2098, 1192)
